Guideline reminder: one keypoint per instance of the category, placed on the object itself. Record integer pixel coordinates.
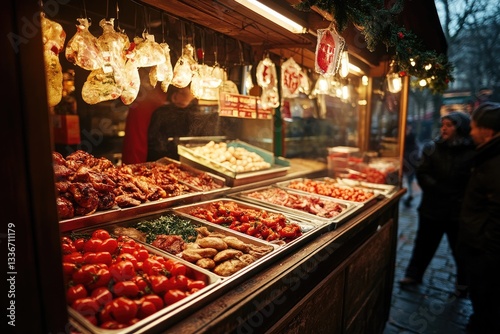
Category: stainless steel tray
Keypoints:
(308, 228)
(330, 182)
(172, 311)
(116, 213)
(220, 182)
(383, 189)
(279, 166)
(347, 208)
(213, 228)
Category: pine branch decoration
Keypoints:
(378, 25)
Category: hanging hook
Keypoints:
(118, 17)
(85, 11)
(216, 42)
(146, 23)
(183, 34)
(242, 59)
(162, 28)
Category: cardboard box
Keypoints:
(66, 129)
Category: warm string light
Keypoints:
(394, 82)
(344, 64)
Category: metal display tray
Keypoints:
(220, 181)
(348, 208)
(213, 228)
(330, 181)
(279, 166)
(169, 314)
(383, 189)
(309, 228)
(117, 213)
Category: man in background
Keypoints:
(479, 237)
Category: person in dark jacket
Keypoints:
(479, 237)
(411, 157)
(442, 174)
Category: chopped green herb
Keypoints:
(170, 225)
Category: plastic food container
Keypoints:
(339, 158)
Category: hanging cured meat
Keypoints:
(267, 79)
(82, 49)
(132, 83)
(290, 78)
(205, 82)
(184, 67)
(53, 42)
(305, 83)
(328, 50)
(162, 72)
(100, 86)
(147, 52)
(108, 82)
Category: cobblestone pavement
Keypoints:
(430, 307)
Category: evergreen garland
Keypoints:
(378, 25)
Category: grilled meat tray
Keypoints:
(329, 212)
(329, 187)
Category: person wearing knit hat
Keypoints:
(442, 173)
(479, 236)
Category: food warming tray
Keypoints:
(196, 193)
(383, 189)
(213, 228)
(277, 198)
(169, 313)
(117, 213)
(279, 166)
(220, 182)
(308, 227)
(330, 182)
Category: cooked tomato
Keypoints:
(68, 269)
(75, 292)
(86, 306)
(146, 308)
(141, 254)
(156, 300)
(122, 271)
(127, 257)
(68, 248)
(91, 245)
(79, 243)
(102, 295)
(123, 309)
(126, 288)
(159, 283)
(173, 296)
(179, 282)
(109, 245)
(102, 277)
(74, 257)
(178, 269)
(142, 283)
(100, 234)
(152, 266)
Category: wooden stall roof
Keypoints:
(232, 19)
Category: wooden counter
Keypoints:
(339, 282)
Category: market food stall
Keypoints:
(344, 264)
